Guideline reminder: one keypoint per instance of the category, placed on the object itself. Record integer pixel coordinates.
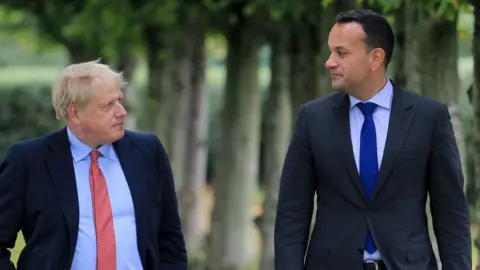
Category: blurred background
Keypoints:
(220, 83)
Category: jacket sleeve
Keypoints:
(173, 254)
(449, 206)
(12, 200)
(295, 201)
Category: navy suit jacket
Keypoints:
(38, 196)
(420, 158)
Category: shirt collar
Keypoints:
(81, 151)
(383, 98)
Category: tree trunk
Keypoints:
(308, 49)
(304, 55)
(405, 62)
(440, 80)
(159, 105)
(167, 106)
(180, 111)
(236, 166)
(438, 52)
(127, 64)
(412, 64)
(398, 63)
(476, 107)
(192, 202)
(276, 136)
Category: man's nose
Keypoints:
(122, 111)
(330, 63)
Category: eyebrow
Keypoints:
(113, 99)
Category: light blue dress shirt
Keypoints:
(123, 212)
(381, 117)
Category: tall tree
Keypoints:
(176, 102)
(237, 153)
(406, 65)
(476, 104)
(194, 165)
(275, 137)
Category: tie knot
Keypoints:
(95, 154)
(367, 108)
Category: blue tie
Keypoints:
(368, 160)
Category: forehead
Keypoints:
(106, 91)
(346, 35)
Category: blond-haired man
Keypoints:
(91, 196)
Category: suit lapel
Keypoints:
(132, 163)
(340, 123)
(400, 120)
(60, 166)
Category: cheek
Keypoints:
(88, 126)
(357, 68)
(97, 123)
(107, 120)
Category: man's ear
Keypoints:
(73, 114)
(378, 58)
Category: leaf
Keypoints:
(249, 9)
(390, 5)
(444, 4)
(276, 14)
(326, 3)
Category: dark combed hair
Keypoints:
(378, 32)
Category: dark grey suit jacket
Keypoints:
(420, 157)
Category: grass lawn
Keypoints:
(18, 248)
(45, 75)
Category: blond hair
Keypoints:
(75, 85)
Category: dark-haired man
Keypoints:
(371, 152)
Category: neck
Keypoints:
(369, 89)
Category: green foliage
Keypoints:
(17, 25)
(435, 9)
(25, 113)
(164, 12)
(113, 27)
(442, 9)
(53, 21)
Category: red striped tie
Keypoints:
(102, 213)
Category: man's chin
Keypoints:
(336, 86)
(118, 135)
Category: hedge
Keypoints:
(25, 112)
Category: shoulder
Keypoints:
(322, 106)
(141, 137)
(151, 147)
(418, 99)
(147, 142)
(422, 105)
(31, 147)
(325, 102)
